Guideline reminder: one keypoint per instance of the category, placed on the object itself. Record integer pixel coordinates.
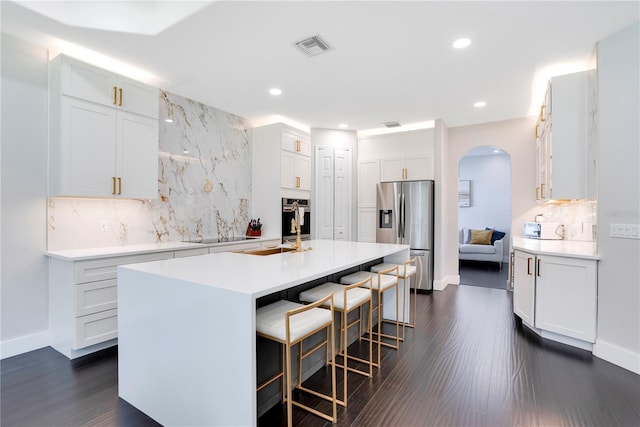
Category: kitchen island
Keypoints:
(187, 338)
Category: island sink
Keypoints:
(268, 251)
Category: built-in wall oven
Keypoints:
(288, 215)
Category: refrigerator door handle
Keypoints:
(399, 221)
(404, 212)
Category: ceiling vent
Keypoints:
(313, 46)
(392, 124)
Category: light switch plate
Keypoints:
(624, 231)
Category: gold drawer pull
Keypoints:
(120, 104)
(114, 185)
(115, 96)
(119, 186)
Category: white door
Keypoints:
(342, 200)
(367, 225)
(368, 178)
(419, 167)
(137, 154)
(87, 82)
(139, 98)
(324, 192)
(87, 149)
(287, 170)
(524, 286)
(302, 169)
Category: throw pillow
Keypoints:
(497, 235)
(481, 237)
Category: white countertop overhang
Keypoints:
(564, 248)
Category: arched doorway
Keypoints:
(484, 216)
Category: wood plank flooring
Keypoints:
(468, 363)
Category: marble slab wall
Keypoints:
(204, 187)
(579, 218)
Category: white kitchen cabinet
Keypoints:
(296, 142)
(368, 179)
(191, 252)
(83, 302)
(565, 147)
(295, 171)
(411, 168)
(333, 193)
(93, 84)
(101, 146)
(556, 294)
(274, 171)
(367, 225)
(524, 287)
(566, 296)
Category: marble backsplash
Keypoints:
(204, 187)
(579, 218)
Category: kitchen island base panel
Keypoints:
(187, 344)
(173, 362)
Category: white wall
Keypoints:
(517, 139)
(336, 138)
(618, 335)
(490, 184)
(24, 277)
(445, 260)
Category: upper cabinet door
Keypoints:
(103, 87)
(138, 98)
(137, 156)
(87, 82)
(419, 167)
(392, 169)
(368, 178)
(87, 156)
(296, 143)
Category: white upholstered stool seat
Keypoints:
(289, 323)
(386, 281)
(347, 298)
(355, 297)
(271, 321)
(410, 271)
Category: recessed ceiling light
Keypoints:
(496, 151)
(275, 91)
(343, 125)
(168, 120)
(479, 104)
(461, 43)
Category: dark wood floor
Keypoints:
(467, 363)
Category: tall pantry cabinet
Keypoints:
(103, 133)
(333, 199)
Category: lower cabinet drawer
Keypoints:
(96, 328)
(96, 296)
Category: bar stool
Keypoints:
(405, 272)
(380, 282)
(347, 298)
(289, 323)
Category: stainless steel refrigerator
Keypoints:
(405, 216)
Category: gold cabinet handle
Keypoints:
(297, 145)
(537, 134)
(120, 104)
(115, 96)
(114, 185)
(119, 186)
(537, 193)
(542, 113)
(538, 268)
(297, 182)
(529, 266)
(542, 191)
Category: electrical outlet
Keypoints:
(625, 231)
(104, 226)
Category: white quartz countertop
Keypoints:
(262, 275)
(114, 251)
(566, 248)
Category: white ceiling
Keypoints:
(392, 61)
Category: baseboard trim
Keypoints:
(25, 344)
(617, 355)
(440, 285)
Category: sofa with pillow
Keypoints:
(481, 245)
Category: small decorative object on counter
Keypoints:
(254, 228)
